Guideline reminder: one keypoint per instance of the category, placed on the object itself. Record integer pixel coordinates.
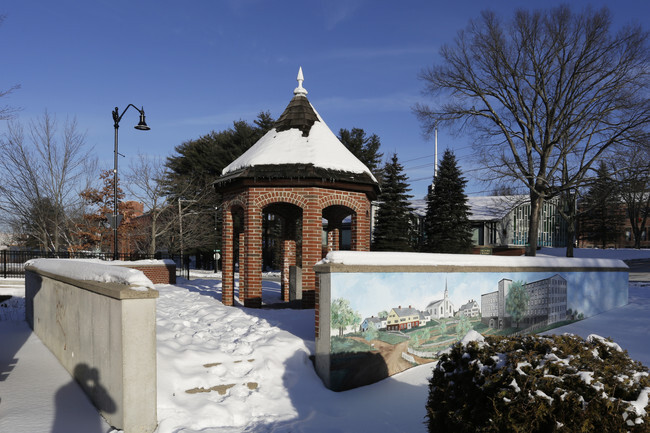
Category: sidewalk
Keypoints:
(36, 391)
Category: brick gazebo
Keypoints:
(301, 173)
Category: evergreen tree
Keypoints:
(601, 218)
(393, 229)
(191, 173)
(447, 226)
(366, 149)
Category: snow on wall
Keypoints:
(381, 258)
(95, 270)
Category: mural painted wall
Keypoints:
(384, 323)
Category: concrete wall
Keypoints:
(105, 336)
(358, 286)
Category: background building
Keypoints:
(547, 303)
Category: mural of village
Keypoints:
(387, 330)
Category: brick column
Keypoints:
(312, 250)
(360, 230)
(228, 282)
(253, 253)
(288, 259)
(242, 266)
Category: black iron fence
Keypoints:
(12, 262)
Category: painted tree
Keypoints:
(393, 226)
(447, 228)
(517, 301)
(443, 327)
(544, 86)
(463, 327)
(371, 333)
(342, 315)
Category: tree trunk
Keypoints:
(571, 235)
(570, 215)
(152, 242)
(533, 223)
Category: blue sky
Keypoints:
(198, 65)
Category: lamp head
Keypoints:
(142, 125)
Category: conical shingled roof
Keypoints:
(299, 114)
(299, 146)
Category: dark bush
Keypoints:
(538, 384)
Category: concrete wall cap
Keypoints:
(112, 290)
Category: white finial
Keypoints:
(300, 90)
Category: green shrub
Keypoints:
(342, 344)
(538, 384)
(391, 338)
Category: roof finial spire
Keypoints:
(300, 90)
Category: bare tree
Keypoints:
(7, 111)
(546, 87)
(144, 183)
(41, 174)
(633, 179)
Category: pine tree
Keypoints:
(447, 225)
(366, 149)
(393, 229)
(601, 218)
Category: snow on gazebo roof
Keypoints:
(299, 145)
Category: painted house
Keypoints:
(372, 321)
(547, 303)
(442, 308)
(400, 319)
(470, 309)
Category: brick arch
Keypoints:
(356, 204)
(281, 197)
(234, 202)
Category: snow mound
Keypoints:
(472, 335)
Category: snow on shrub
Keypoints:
(538, 384)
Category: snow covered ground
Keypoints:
(225, 369)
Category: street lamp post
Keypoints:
(142, 126)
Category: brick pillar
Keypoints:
(228, 282)
(317, 307)
(312, 250)
(360, 230)
(242, 265)
(288, 259)
(253, 253)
